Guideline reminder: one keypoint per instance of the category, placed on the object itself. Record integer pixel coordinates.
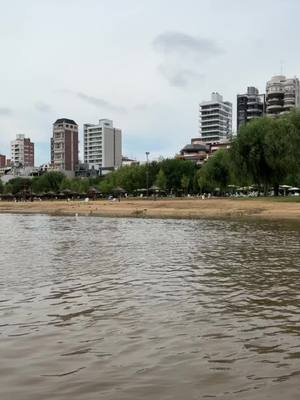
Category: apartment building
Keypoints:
(250, 105)
(2, 161)
(282, 95)
(102, 145)
(215, 119)
(22, 151)
(64, 145)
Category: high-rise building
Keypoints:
(282, 95)
(102, 145)
(22, 151)
(2, 161)
(215, 119)
(64, 145)
(249, 106)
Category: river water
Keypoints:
(94, 308)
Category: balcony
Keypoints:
(254, 111)
(288, 107)
(274, 108)
(275, 94)
(275, 100)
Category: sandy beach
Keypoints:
(164, 208)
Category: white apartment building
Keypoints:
(22, 151)
(282, 95)
(215, 119)
(102, 145)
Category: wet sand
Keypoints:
(164, 208)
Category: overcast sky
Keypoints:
(146, 64)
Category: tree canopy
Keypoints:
(267, 151)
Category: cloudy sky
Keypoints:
(146, 64)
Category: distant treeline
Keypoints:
(265, 154)
(170, 176)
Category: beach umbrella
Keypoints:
(93, 190)
(67, 191)
(50, 195)
(294, 189)
(284, 188)
(7, 196)
(155, 188)
(118, 189)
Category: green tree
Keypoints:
(279, 152)
(8, 188)
(216, 172)
(175, 169)
(1, 186)
(20, 185)
(248, 153)
(49, 182)
(106, 187)
(266, 151)
(204, 183)
(161, 180)
(185, 183)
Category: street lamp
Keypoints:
(147, 172)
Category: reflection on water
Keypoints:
(108, 309)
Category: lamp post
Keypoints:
(147, 172)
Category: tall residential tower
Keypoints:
(102, 145)
(64, 145)
(249, 106)
(282, 95)
(22, 151)
(215, 119)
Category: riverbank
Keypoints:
(164, 208)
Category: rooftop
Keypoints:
(66, 120)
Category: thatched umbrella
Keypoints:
(93, 192)
(50, 195)
(7, 196)
(142, 190)
(23, 194)
(155, 188)
(67, 192)
(118, 190)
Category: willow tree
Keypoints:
(266, 151)
(216, 172)
(248, 153)
(161, 180)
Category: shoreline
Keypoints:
(248, 209)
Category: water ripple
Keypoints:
(129, 309)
